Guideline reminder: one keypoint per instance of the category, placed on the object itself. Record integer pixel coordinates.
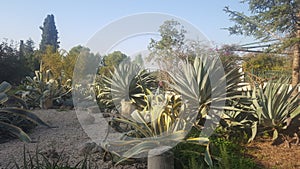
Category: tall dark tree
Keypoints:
(11, 64)
(27, 56)
(49, 34)
(269, 20)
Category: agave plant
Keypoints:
(204, 86)
(275, 106)
(9, 115)
(128, 83)
(168, 119)
(43, 89)
(162, 122)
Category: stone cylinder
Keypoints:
(161, 158)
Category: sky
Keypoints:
(78, 21)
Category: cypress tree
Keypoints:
(49, 34)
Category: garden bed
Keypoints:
(69, 138)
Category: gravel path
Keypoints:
(68, 137)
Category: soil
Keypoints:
(274, 156)
(66, 140)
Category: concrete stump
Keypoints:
(161, 158)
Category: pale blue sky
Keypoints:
(78, 21)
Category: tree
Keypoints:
(269, 20)
(138, 60)
(110, 61)
(85, 63)
(52, 61)
(49, 34)
(70, 61)
(263, 62)
(12, 66)
(27, 53)
(228, 57)
(170, 47)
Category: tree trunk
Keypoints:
(296, 55)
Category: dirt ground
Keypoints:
(68, 137)
(274, 156)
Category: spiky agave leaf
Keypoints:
(4, 87)
(275, 104)
(25, 114)
(15, 131)
(194, 83)
(5, 124)
(128, 82)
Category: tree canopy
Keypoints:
(12, 64)
(274, 21)
(49, 34)
(110, 61)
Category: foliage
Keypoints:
(231, 155)
(263, 62)
(237, 124)
(173, 37)
(49, 34)
(194, 83)
(128, 82)
(14, 120)
(84, 65)
(43, 89)
(87, 63)
(27, 51)
(138, 60)
(228, 57)
(225, 154)
(52, 61)
(41, 161)
(269, 21)
(12, 65)
(167, 119)
(275, 106)
(110, 61)
(162, 122)
(170, 49)
(268, 18)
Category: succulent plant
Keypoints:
(162, 122)
(15, 120)
(204, 86)
(128, 83)
(42, 90)
(275, 106)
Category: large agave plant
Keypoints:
(9, 114)
(275, 106)
(162, 122)
(43, 89)
(204, 86)
(128, 83)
